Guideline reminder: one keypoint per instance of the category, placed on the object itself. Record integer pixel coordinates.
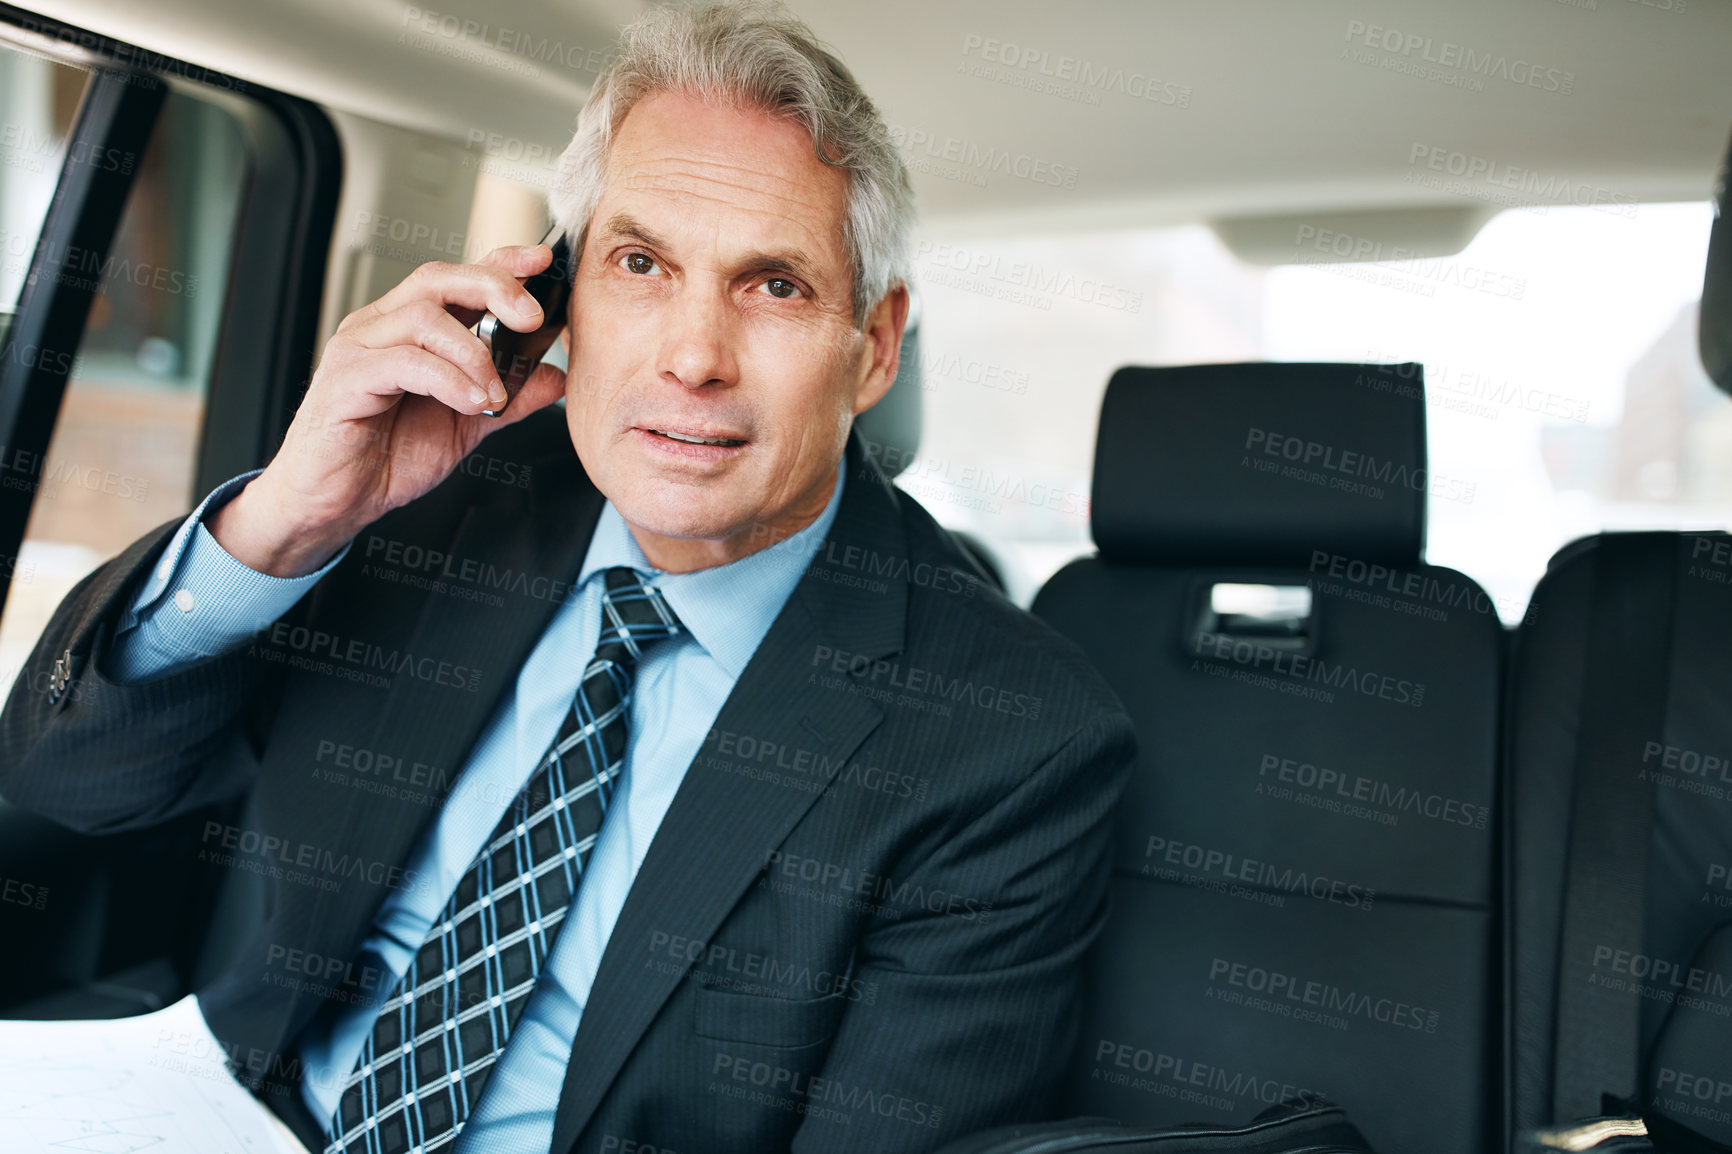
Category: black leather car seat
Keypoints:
(1304, 864)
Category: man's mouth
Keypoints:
(694, 439)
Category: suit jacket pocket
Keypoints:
(765, 1021)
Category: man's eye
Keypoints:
(639, 263)
(781, 288)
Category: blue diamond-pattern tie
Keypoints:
(440, 1032)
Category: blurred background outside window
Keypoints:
(122, 457)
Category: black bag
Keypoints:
(1310, 1127)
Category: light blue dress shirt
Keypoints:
(201, 601)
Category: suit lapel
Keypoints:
(721, 826)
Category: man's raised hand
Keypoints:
(394, 405)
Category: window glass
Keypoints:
(1018, 337)
(124, 449)
(1564, 391)
(1565, 394)
(38, 99)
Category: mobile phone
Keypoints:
(516, 354)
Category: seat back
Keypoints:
(1303, 863)
(1637, 1002)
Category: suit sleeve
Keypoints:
(127, 712)
(974, 1018)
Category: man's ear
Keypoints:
(883, 331)
(571, 295)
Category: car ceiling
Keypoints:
(1282, 117)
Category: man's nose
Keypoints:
(698, 340)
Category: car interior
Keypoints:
(1348, 381)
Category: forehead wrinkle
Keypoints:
(687, 176)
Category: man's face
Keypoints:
(712, 304)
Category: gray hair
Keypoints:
(757, 55)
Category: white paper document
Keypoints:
(153, 1083)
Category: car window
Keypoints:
(39, 97)
(124, 448)
(1531, 338)
(1564, 392)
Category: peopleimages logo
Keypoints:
(20, 893)
(1349, 470)
(420, 238)
(1162, 853)
(309, 864)
(1038, 170)
(1393, 799)
(1375, 578)
(85, 268)
(136, 66)
(914, 679)
(1228, 1086)
(496, 46)
(889, 897)
(744, 971)
(1073, 77)
(1415, 51)
(1471, 172)
(936, 364)
(1325, 997)
(1301, 667)
(1703, 1087)
(1662, 978)
(1718, 888)
(812, 1094)
(937, 259)
(1397, 266)
(1472, 391)
(301, 647)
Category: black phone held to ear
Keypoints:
(516, 354)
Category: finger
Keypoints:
(467, 290)
(376, 379)
(425, 325)
(544, 386)
(520, 260)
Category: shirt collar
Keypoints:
(727, 608)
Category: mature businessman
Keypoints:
(691, 794)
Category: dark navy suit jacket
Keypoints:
(860, 925)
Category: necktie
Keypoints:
(438, 1035)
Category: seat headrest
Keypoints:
(1714, 326)
(1261, 464)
